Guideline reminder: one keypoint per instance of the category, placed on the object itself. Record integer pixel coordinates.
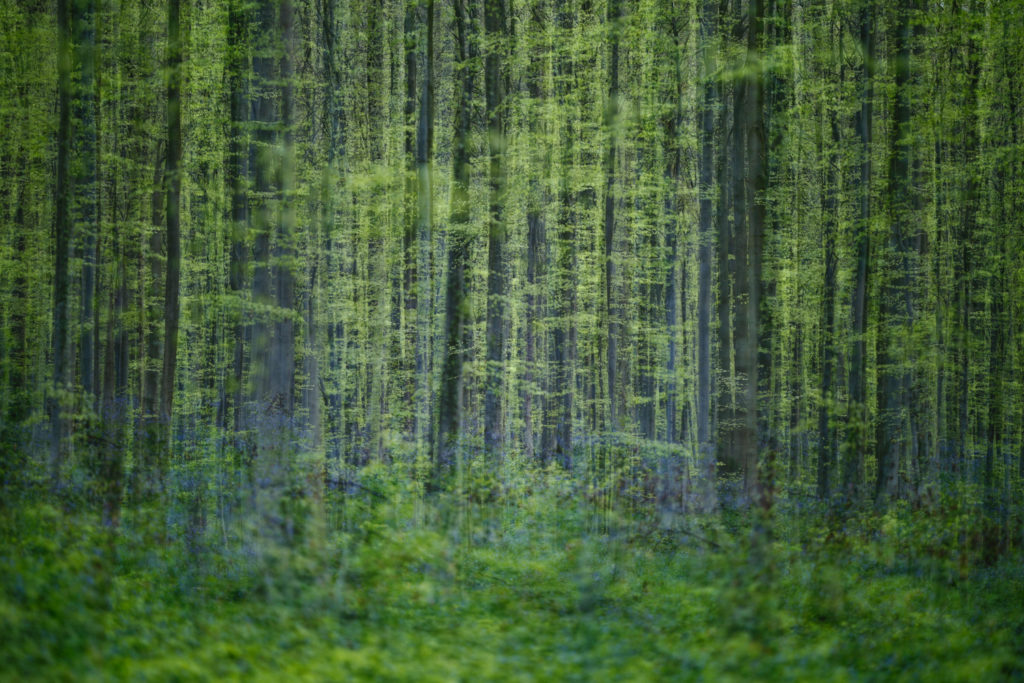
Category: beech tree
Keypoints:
(692, 254)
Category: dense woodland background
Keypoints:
(724, 274)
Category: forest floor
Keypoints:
(540, 587)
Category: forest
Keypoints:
(512, 340)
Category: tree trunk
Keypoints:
(273, 215)
(115, 397)
(705, 237)
(749, 183)
(536, 253)
(827, 445)
(857, 413)
(173, 181)
(62, 245)
(756, 182)
(891, 437)
(424, 237)
(238, 173)
(610, 123)
(405, 310)
(494, 24)
(86, 188)
(450, 406)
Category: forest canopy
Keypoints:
(336, 302)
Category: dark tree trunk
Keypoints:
(560, 409)
(173, 181)
(733, 279)
(536, 259)
(411, 28)
(86, 188)
(115, 397)
(238, 173)
(424, 236)
(893, 378)
(857, 414)
(748, 360)
(610, 122)
(494, 24)
(705, 237)
(62, 244)
(827, 433)
(456, 294)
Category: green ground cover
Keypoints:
(539, 587)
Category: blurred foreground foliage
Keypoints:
(538, 583)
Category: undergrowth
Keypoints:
(535, 584)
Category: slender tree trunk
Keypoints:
(733, 266)
(63, 236)
(757, 185)
(148, 476)
(238, 174)
(86, 188)
(534, 250)
(536, 253)
(561, 404)
(963, 266)
(725, 398)
(115, 396)
(424, 237)
(749, 182)
(891, 437)
(173, 181)
(994, 416)
(405, 310)
(827, 433)
(334, 113)
(610, 123)
(857, 415)
(494, 23)
(705, 237)
(450, 406)
(283, 272)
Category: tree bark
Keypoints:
(857, 415)
(450, 406)
(173, 213)
(827, 444)
(238, 174)
(494, 24)
(610, 123)
(424, 237)
(63, 236)
(705, 237)
(893, 378)
(86, 188)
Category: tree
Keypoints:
(173, 212)
(236, 66)
(611, 312)
(705, 236)
(62, 244)
(85, 212)
(857, 415)
(495, 88)
(424, 233)
(450, 401)
(894, 298)
(273, 335)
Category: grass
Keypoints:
(536, 587)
